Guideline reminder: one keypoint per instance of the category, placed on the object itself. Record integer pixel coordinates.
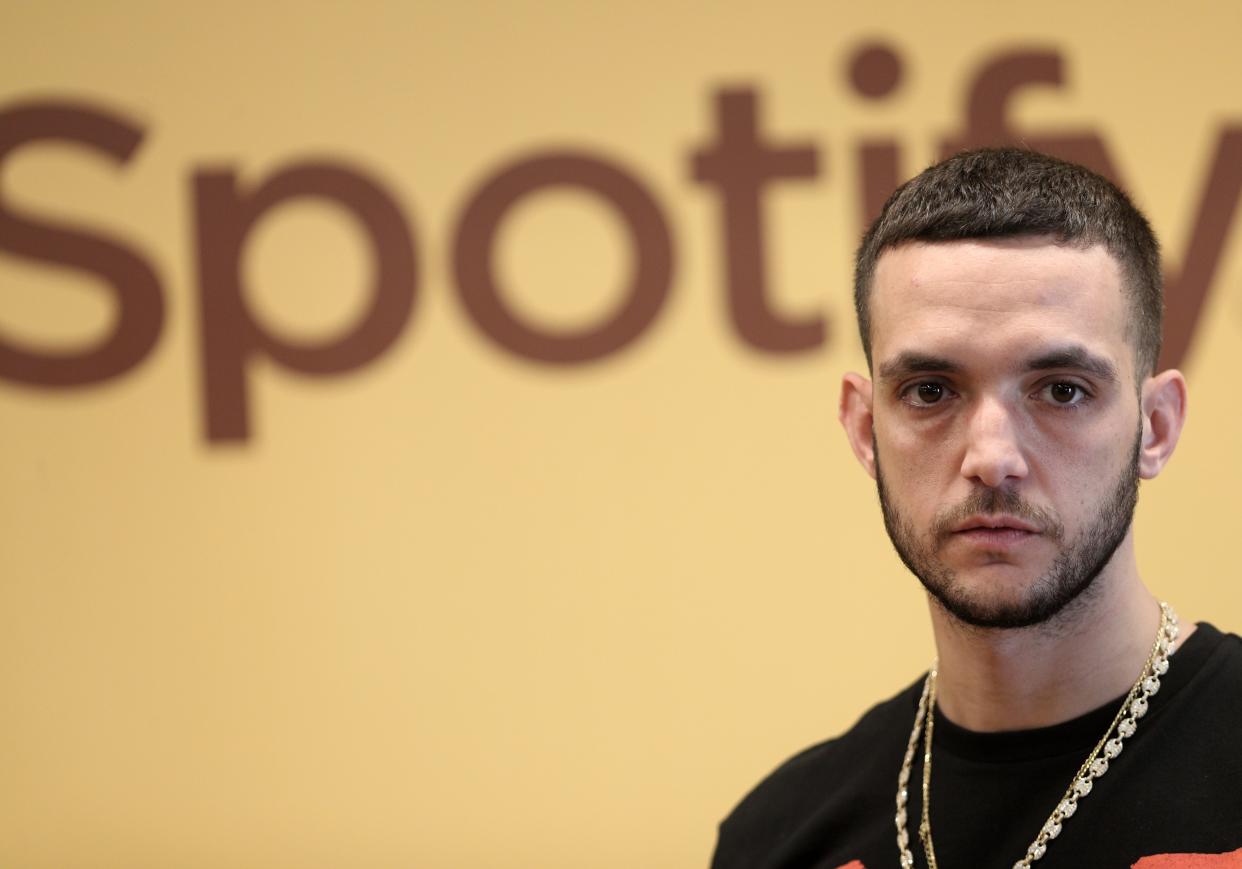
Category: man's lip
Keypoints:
(995, 523)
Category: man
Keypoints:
(1010, 310)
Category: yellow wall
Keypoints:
(456, 608)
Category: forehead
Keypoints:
(997, 298)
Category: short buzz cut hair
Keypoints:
(1008, 192)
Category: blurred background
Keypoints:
(419, 438)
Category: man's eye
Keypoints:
(923, 394)
(1065, 393)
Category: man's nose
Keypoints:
(994, 453)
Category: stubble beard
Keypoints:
(1077, 565)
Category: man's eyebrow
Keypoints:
(1074, 357)
(905, 364)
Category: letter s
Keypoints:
(129, 278)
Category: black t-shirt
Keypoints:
(1175, 789)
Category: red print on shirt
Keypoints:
(1232, 860)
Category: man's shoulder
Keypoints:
(1229, 644)
(871, 735)
(1213, 653)
(848, 775)
(1217, 671)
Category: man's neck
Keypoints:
(1017, 679)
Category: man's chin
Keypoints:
(993, 605)
(995, 616)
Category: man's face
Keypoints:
(1006, 421)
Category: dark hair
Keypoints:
(1005, 192)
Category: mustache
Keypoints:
(987, 501)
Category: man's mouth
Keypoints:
(997, 522)
(995, 530)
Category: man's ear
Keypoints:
(1164, 414)
(855, 416)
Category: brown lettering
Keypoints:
(875, 71)
(879, 176)
(987, 112)
(126, 275)
(475, 270)
(1186, 291)
(739, 164)
(231, 335)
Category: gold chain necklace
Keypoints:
(1125, 724)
